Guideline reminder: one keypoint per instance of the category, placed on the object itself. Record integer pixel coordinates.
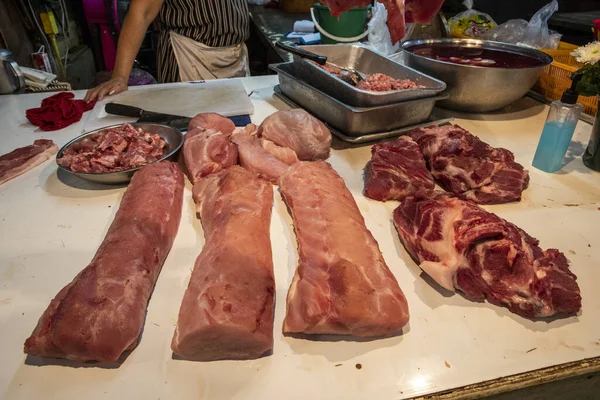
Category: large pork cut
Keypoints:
(206, 151)
(21, 160)
(472, 169)
(212, 121)
(462, 246)
(263, 158)
(397, 170)
(399, 12)
(307, 136)
(342, 284)
(227, 309)
(100, 314)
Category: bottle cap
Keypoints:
(570, 95)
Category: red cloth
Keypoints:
(58, 111)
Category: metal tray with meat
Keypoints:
(352, 121)
(366, 62)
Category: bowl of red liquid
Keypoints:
(481, 75)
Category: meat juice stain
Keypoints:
(358, 366)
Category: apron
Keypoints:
(197, 61)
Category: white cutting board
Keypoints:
(226, 97)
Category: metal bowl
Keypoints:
(476, 88)
(172, 137)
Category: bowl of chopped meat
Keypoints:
(112, 154)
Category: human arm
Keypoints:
(140, 16)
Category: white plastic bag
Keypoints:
(379, 34)
(534, 33)
(471, 23)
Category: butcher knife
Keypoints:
(175, 121)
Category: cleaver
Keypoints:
(175, 121)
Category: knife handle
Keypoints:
(321, 60)
(123, 110)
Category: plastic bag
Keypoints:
(471, 23)
(534, 33)
(379, 34)
(137, 77)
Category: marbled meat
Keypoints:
(397, 170)
(307, 136)
(21, 160)
(100, 314)
(113, 149)
(472, 169)
(206, 151)
(342, 284)
(227, 309)
(462, 246)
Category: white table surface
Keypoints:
(51, 226)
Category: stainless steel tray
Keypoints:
(353, 121)
(367, 62)
(373, 137)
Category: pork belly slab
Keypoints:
(462, 246)
(472, 169)
(342, 284)
(21, 160)
(100, 314)
(397, 170)
(298, 130)
(227, 309)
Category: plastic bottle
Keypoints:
(558, 130)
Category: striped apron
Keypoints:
(212, 23)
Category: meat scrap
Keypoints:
(100, 314)
(307, 136)
(342, 284)
(21, 160)
(258, 157)
(113, 149)
(206, 151)
(212, 121)
(227, 309)
(472, 169)
(462, 246)
(385, 83)
(397, 170)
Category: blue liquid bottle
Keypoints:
(558, 131)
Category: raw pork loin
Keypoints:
(100, 314)
(462, 246)
(307, 136)
(342, 284)
(397, 170)
(463, 164)
(206, 151)
(227, 309)
(399, 12)
(21, 160)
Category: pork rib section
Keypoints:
(255, 157)
(462, 246)
(21, 160)
(206, 151)
(472, 169)
(298, 130)
(100, 314)
(397, 170)
(342, 284)
(227, 309)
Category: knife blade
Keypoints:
(176, 121)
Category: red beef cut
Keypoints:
(462, 246)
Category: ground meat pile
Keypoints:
(384, 83)
(114, 149)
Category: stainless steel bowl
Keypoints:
(172, 137)
(474, 88)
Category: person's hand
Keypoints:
(113, 86)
